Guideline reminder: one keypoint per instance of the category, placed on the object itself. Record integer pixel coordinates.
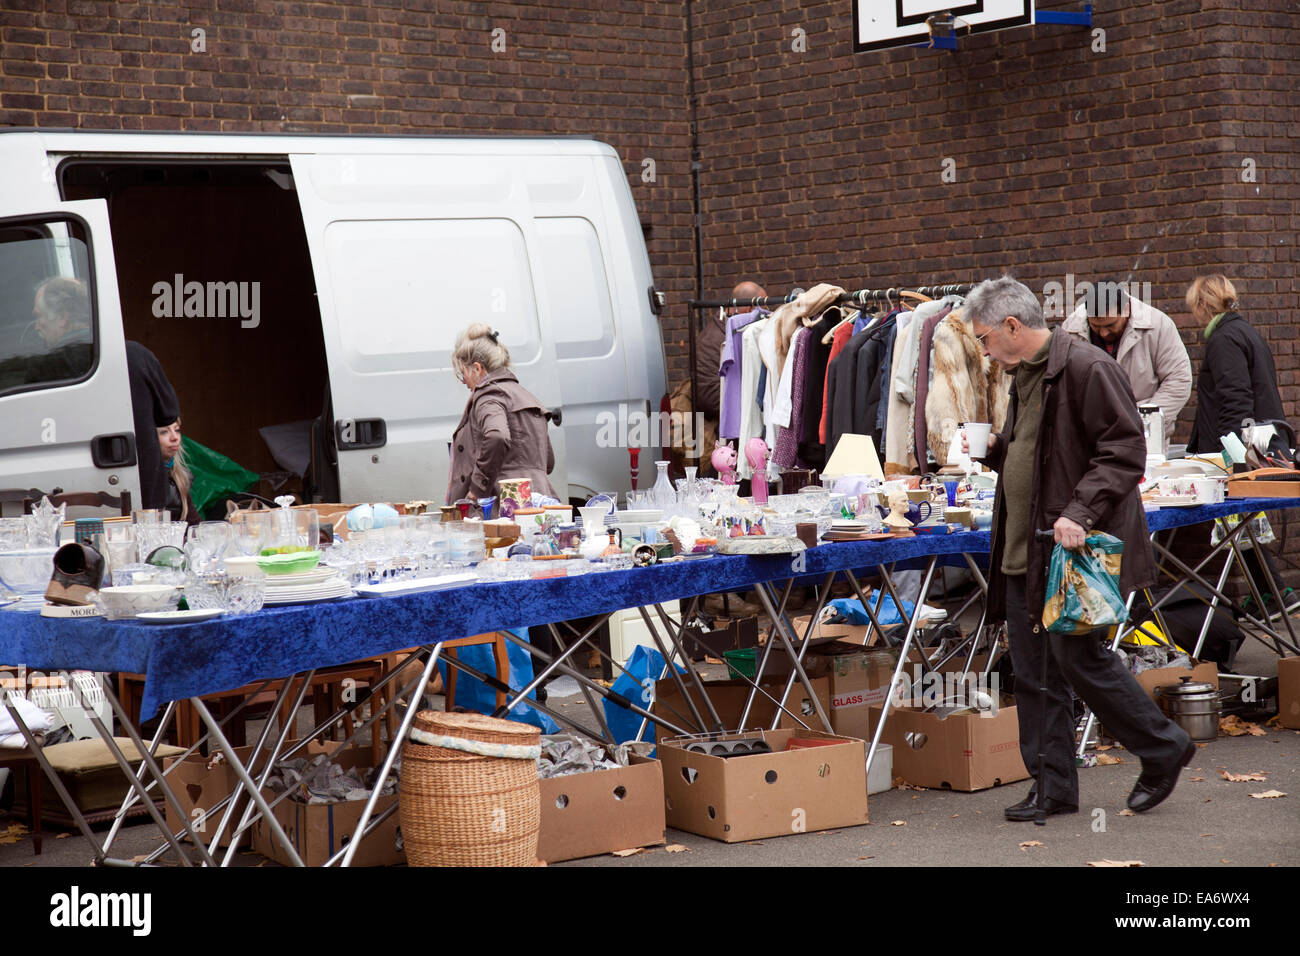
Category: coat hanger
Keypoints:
(910, 294)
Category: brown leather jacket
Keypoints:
(1090, 457)
(502, 434)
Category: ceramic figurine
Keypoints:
(757, 453)
(724, 462)
(897, 518)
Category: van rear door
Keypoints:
(65, 402)
(408, 250)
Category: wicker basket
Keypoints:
(461, 808)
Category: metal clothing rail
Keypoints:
(860, 297)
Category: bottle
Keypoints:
(662, 495)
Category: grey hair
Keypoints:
(480, 343)
(994, 299)
(65, 298)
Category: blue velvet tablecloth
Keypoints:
(190, 660)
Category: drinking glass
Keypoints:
(13, 534)
(250, 531)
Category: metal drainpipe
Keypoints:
(695, 317)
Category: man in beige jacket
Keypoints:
(1145, 343)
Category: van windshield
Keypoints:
(47, 326)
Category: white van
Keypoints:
(313, 286)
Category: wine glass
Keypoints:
(251, 531)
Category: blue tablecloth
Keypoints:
(225, 653)
(190, 660)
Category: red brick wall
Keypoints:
(381, 66)
(824, 164)
(827, 165)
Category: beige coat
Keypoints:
(502, 434)
(1152, 355)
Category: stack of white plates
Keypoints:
(306, 587)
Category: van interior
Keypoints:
(215, 221)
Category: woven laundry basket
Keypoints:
(469, 794)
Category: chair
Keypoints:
(86, 499)
(13, 757)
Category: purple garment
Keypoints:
(923, 388)
(787, 439)
(729, 370)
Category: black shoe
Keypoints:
(78, 573)
(1151, 789)
(1027, 808)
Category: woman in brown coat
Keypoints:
(502, 433)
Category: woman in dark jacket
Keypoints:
(502, 433)
(1237, 386)
(1238, 380)
(180, 505)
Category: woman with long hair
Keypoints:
(179, 478)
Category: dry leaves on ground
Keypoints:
(631, 852)
(898, 823)
(1029, 843)
(1268, 795)
(1116, 863)
(1126, 812)
(1255, 776)
(676, 848)
(1234, 726)
(1105, 760)
(12, 834)
(1198, 780)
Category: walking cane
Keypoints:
(1040, 814)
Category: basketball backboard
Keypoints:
(882, 24)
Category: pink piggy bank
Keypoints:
(724, 462)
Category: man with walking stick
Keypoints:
(1069, 458)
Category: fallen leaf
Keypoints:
(627, 852)
(1029, 843)
(1225, 861)
(1126, 812)
(899, 823)
(62, 836)
(1274, 721)
(1207, 834)
(866, 858)
(1198, 780)
(1105, 746)
(828, 832)
(1106, 760)
(1257, 776)
(1116, 863)
(676, 848)
(1268, 795)
(1234, 726)
(12, 834)
(954, 816)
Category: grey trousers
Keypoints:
(1084, 663)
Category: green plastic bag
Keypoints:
(1083, 586)
(216, 477)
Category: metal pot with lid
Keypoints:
(1192, 705)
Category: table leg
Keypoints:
(394, 748)
(778, 624)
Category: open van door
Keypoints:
(407, 250)
(65, 401)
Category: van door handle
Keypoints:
(113, 451)
(356, 433)
(556, 415)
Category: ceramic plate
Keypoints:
(325, 591)
(178, 617)
(300, 578)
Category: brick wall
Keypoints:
(615, 72)
(828, 165)
(822, 164)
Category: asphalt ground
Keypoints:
(1208, 822)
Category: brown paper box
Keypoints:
(319, 830)
(849, 633)
(199, 788)
(1288, 692)
(585, 814)
(1206, 673)
(964, 752)
(766, 795)
(729, 697)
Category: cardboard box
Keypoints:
(319, 830)
(1159, 676)
(1288, 692)
(848, 633)
(201, 782)
(859, 678)
(729, 696)
(964, 752)
(585, 814)
(765, 795)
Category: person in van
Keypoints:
(59, 344)
(502, 432)
(180, 505)
(154, 406)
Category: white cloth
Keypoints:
(783, 407)
(751, 417)
(767, 349)
(36, 719)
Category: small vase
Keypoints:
(663, 495)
